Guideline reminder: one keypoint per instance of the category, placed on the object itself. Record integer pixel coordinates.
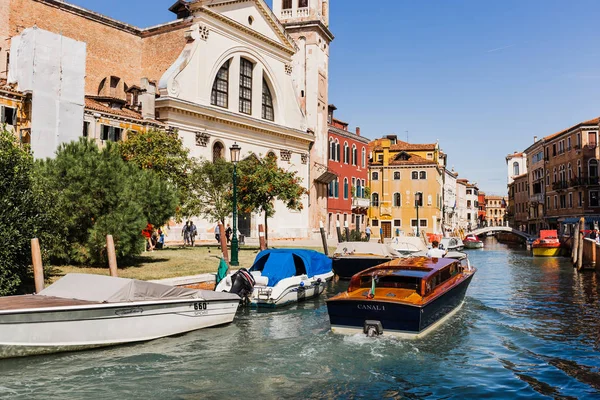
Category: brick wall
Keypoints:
(113, 48)
(4, 29)
(160, 50)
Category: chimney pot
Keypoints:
(358, 131)
(534, 139)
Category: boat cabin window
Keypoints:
(393, 281)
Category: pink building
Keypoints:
(347, 199)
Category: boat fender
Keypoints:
(372, 328)
(301, 284)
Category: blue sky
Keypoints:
(481, 77)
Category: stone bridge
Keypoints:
(492, 229)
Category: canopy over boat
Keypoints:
(107, 289)
(278, 264)
(365, 248)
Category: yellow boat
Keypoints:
(547, 245)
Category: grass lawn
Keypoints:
(171, 262)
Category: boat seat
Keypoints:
(261, 280)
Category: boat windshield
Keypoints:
(391, 281)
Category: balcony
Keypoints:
(590, 181)
(286, 13)
(536, 198)
(302, 12)
(357, 202)
(560, 185)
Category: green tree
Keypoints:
(164, 153)
(98, 194)
(211, 190)
(261, 182)
(23, 215)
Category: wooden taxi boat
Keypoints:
(548, 245)
(403, 297)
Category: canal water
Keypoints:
(530, 328)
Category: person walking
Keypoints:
(218, 233)
(228, 232)
(193, 233)
(368, 233)
(186, 234)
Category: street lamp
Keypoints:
(418, 202)
(235, 158)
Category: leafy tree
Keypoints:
(23, 215)
(261, 182)
(164, 153)
(99, 194)
(211, 190)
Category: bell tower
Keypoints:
(307, 22)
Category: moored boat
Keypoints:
(352, 257)
(452, 243)
(279, 277)
(472, 242)
(548, 244)
(408, 245)
(404, 297)
(82, 311)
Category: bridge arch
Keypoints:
(492, 229)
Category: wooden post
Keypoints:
(324, 238)
(580, 252)
(575, 243)
(593, 260)
(261, 237)
(224, 243)
(38, 268)
(112, 255)
(339, 231)
(347, 229)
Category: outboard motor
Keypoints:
(242, 284)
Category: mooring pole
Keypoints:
(38, 268)
(339, 231)
(112, 256)
(580, 252)
(223, 239)
(324, 238)
(574, 242)
(261, 237)
(347, 229)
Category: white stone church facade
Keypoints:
(258, 78)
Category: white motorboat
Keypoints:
(279, 277)
(452, 243)
(82, 311)
(408, 245)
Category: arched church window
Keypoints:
(218, 151)
(267, 102)
(515, 168)
(245, 86)
(331, 149)
(346, 153)
(220, 90)
(354, 154)
(337, 150)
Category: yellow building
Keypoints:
(398, 173)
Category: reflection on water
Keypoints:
(529, 328)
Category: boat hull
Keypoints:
(288, 291)
(348, 316)
(547, 251)
(473, 245)
(346, 267)
(59, 329)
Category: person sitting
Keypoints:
(435, 251)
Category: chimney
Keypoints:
(534, 139)
(358, 131)
(147, 99)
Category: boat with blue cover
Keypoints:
(406, 297)
(279, 277)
